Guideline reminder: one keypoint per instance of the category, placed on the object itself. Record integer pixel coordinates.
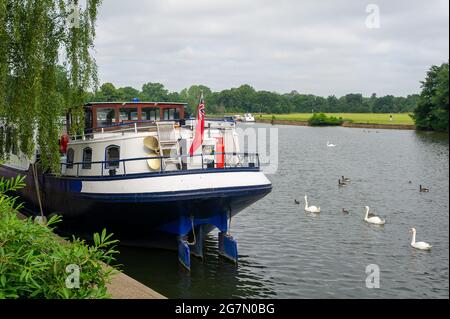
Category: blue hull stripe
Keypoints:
(174, 196)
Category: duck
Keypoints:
(418, 245)
(311, 209)
(340, 183)
(373, 219)
(345, 211)
(423, 189)
(330, 144)
(297, 202)
(345, 179)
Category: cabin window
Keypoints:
(87, 158)
(171, 114)
(128, 114)
(70, 157)
(106, 116)
(112, 157)
(88, 123)
(150, 114)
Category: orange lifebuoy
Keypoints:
(63, 142)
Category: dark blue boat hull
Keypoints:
(147, 219)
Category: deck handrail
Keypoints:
(134, 126)
(240, 164)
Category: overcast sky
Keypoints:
(318, 47)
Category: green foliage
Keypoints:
(33, 259)
(246, 99)
(45, 68)
(432, 110)
(321, 119)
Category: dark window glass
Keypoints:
(112, 157)
(171, 114)
(87, 158)
(87, 120)
(128, 114)
(105, 116)
(70, 157)
(150, 114)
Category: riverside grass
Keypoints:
(33, 259)
(358, 118)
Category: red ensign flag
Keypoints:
(200, 127)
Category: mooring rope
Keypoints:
(38, 192)
(193, 233)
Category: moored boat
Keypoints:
(131, 172)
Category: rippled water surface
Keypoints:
(287, 253)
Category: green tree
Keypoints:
(154, 92)
(192, 95)
(108, 93)
(38, 38)
(432, 108)
(128, 93)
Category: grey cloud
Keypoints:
(319, 47)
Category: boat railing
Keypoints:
(130, 127)
(133, 127)
(227, 161)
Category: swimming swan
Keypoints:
(373, 219)
(330, 144)
(311, 209)
(419, 245)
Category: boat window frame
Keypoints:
(110, 122)
(153, 109)
(87, 164)
(70, 160)
(176, 113)
(109, 165)
(128, 110)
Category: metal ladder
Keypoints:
(168, 143)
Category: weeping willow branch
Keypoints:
(42, 41)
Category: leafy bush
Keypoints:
(33, 259)
(320, 119)
(431, 112)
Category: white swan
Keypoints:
(330, 144)
(374, 219)
(311, 209)
(419, 245)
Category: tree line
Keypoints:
(246, 99)
(431, 112)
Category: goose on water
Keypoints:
(340, 183)
(296, 201)
(373, 219)
(311, 209)
(345, 179)
(423, 189)
(418, 245)
(345, 211)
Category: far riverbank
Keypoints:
(346, 124)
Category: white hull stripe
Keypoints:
(176, 183)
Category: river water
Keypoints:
(285, 252)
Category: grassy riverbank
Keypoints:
(357, 118)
